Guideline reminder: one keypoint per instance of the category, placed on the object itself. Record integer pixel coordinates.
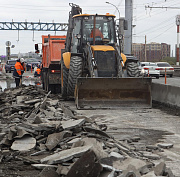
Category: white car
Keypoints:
(164, 65)
(149, 69)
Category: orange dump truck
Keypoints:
(52, 47)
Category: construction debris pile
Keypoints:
(41, 136)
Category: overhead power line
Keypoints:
(163, 7)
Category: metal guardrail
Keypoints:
(33, 26)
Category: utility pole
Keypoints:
(145, 54)
(177, 48)
(128, 32)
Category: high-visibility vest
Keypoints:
(38, 71)
(18, 70)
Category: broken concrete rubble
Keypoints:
(70, 124)
(65, 155)
(159, 170)
(86, 166)
(165, 145)
(24, 144)
(48, 172)
(54, 140)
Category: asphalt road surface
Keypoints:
(169, 81)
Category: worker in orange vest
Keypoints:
(37, 72)
(98, 33)
(18, 71)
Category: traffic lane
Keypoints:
(174, 81)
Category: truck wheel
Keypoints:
(64, 79)
(132, 69)
(75, 71)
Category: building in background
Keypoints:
(154, 51)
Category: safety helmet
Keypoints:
(22, 60)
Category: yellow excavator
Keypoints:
(93, 69)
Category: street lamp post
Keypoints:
(116, 9)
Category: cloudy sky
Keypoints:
(157, 24)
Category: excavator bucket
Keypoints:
(106, 93)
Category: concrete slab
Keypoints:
(74, 141)
(62, 170)
(70, 124)
(52, 109)
(86, 166)
(48, 113)
(48, 172)
(42, 166)
(67, 112)
(21, 133)
(150, 174)
(105, 173)
(116, 155)
(96, 147)
(32, 101)
(55, 138)
(20, 99)
(137, 163)
(150, 155)
(96, 131)
(24, 144)
(2, 136)
(65, 155)
(53, 102)
(131, 171)
(165, 145)
(159, 170)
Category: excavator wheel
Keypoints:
(75, 71)
(64, 79)
(132, 69)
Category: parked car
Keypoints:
(149, 68)
(164, 65)
(32, 62)
(9, 66)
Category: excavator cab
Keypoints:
(93, 29)
(94, 71)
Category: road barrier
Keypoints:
(167, 94)
(165, 76)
